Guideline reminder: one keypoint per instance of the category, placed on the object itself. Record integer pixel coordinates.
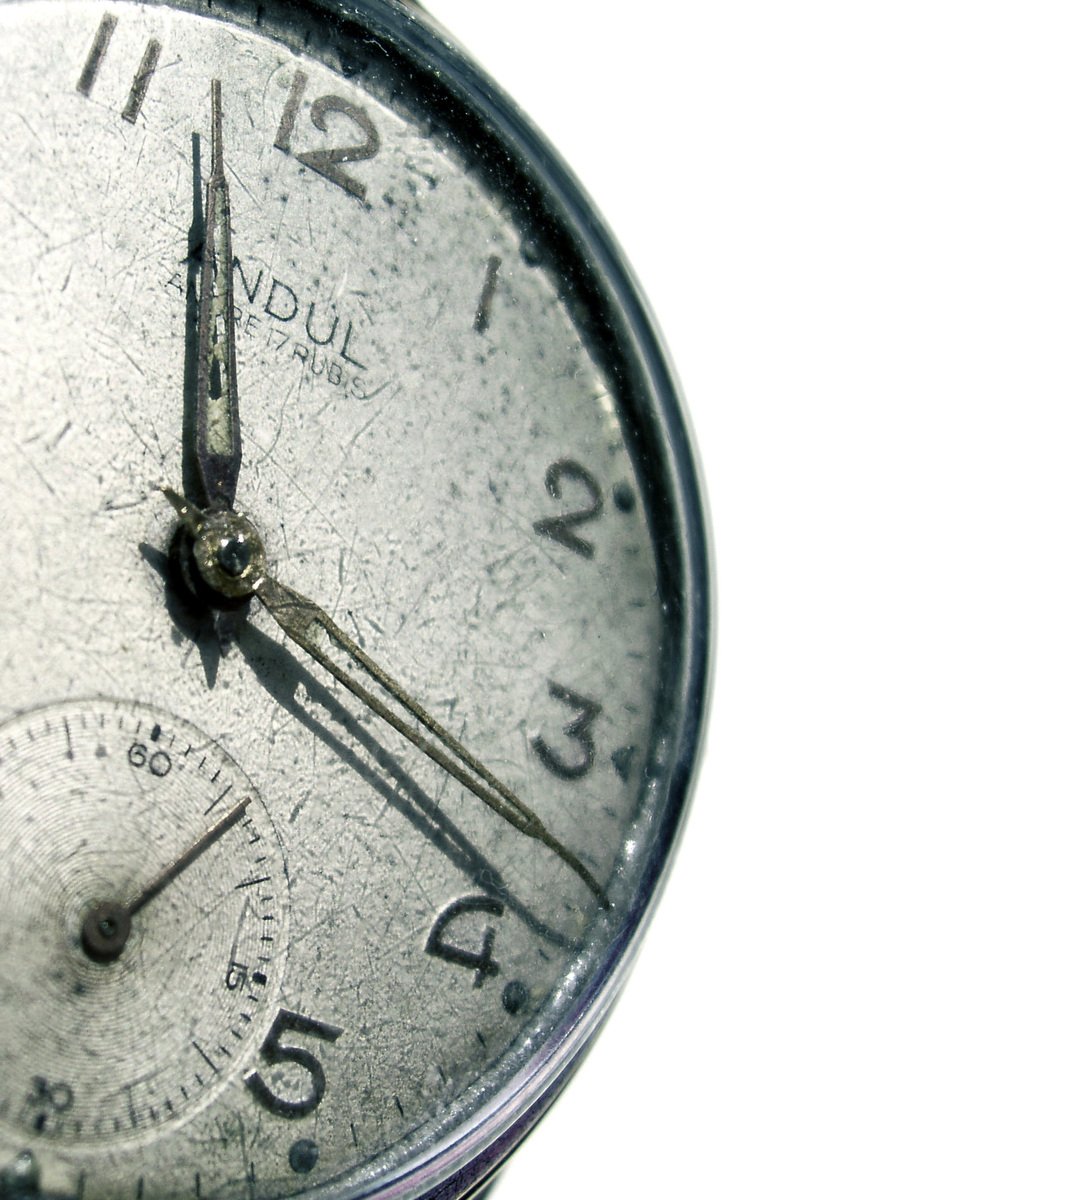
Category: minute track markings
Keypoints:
(253, 882)
(218, 799)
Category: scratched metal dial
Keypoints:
(453, 444)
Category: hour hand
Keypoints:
(218, 447)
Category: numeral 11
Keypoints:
(140, 83)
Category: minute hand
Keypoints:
(310, 627)
(217, 439)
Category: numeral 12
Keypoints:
(329, 162)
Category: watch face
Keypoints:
(355, 609)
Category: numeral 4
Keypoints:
(480, 961)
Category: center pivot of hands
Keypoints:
(229, 554)
(105, 930)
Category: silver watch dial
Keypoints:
(348, 639)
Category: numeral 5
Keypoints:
(274, 1051)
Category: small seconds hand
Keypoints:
(107, 926)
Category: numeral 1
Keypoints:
(481, 317)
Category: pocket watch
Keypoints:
(356, 607)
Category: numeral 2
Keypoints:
(141, 81)
(562, 529)
(329, 162)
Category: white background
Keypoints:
(856, 225)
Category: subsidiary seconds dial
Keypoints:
(146, 921)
